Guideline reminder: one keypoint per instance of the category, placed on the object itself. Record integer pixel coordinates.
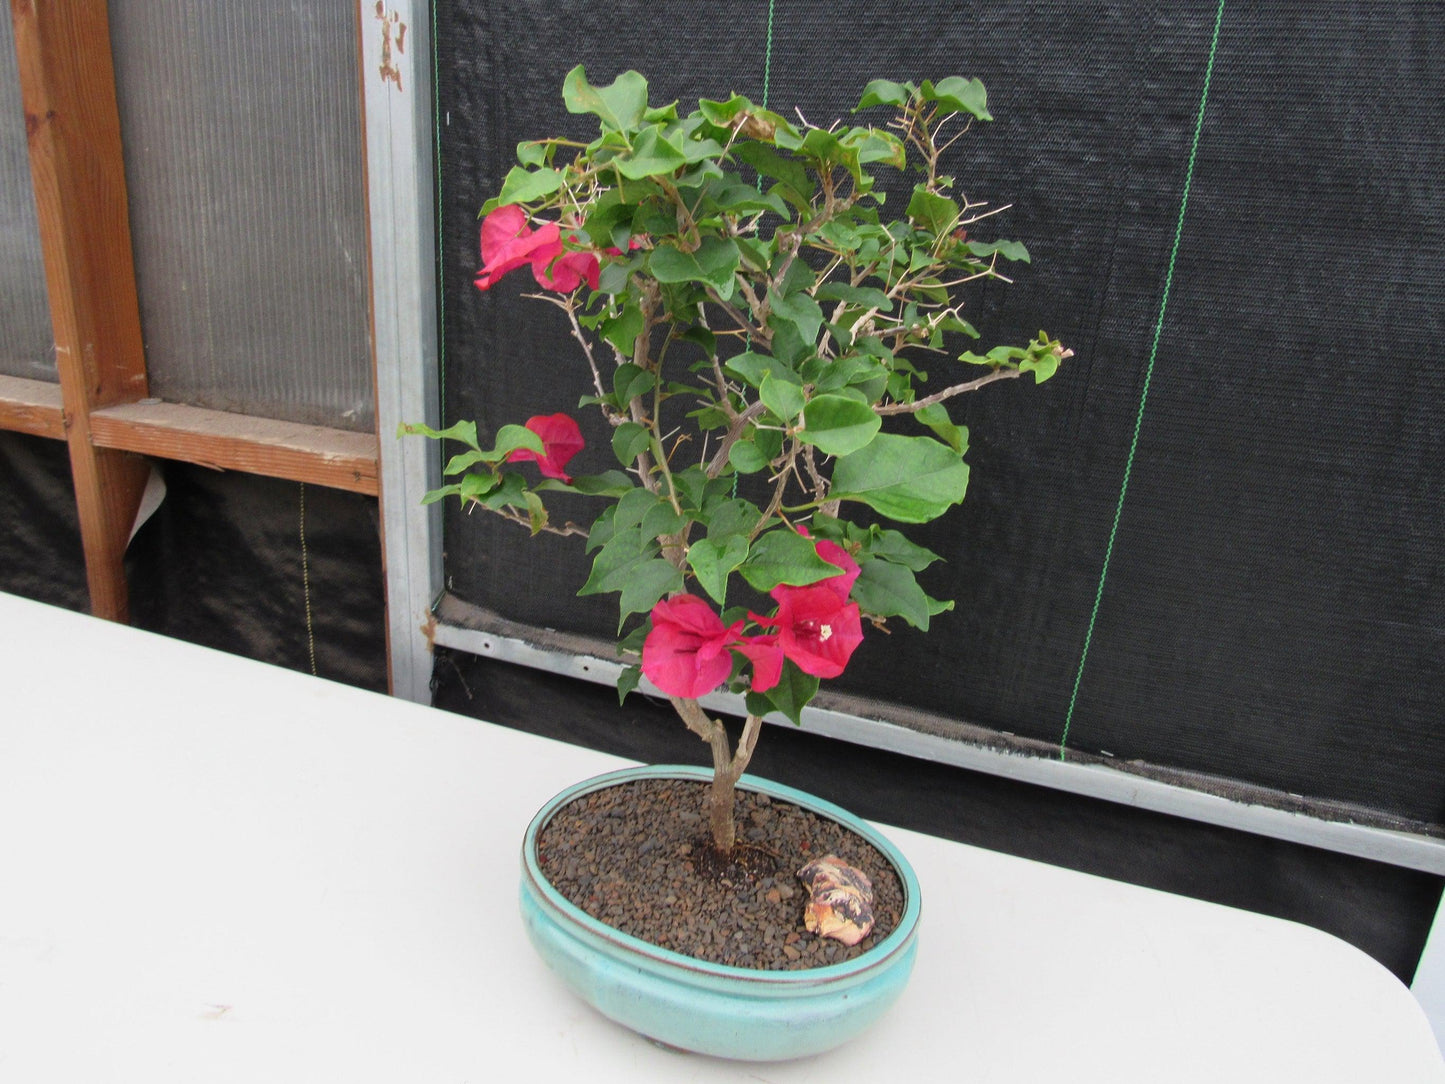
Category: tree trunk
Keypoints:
(720, 794)
(727, 766)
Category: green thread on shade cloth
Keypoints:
(1144, 393)
(767, 79)
(306, 585)
(768, 56)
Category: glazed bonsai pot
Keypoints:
(710, 1008)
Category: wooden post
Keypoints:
(67, 83)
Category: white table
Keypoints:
(214, 870)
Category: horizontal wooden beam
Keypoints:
(31, 406)
(336, 458)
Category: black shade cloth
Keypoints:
(218, 564)
(1275, 609)
(221, 564)
(40, 551)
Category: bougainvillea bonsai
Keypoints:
(752, 325)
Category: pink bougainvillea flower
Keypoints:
(561, 440)
(767, 659)
(817, 628)
(835, 554)
(508, 243)
(634, 242)
(686, 653)
(567, 272)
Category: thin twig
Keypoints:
(565, 304)
(947, 393)
(516, 517)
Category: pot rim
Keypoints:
(897, 942)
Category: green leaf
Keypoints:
(739, 198)
(910, 479)
(431, 496)
(722, 113)
(464, 461)
(1009, 250)
(714, 264)
(623, 552)
(631, 508)
(875, 146)
(732, 516)
(798, 276)
(714, 561)
(629, 440)
(931, 211)
(866, 296)
(651, 155)
(823, 145)
(612, 483)
(617, 274)
(889, 590)
(631, 644)
(662, 519)
(788, 346)
(957, 95)
(784, 556)
(631, 381)
(510, 438)
(695, 489)
(883, 92)
(524, 186)
(622, 330)
(789, 696)
(747, 458)
(798, 309)
(701, 153)
(532, 152)
(838, 425)
(466, 432)
(1042, 367)
(627, 681)
(859, 370)
(703, 337)
(646, 583)
(770, 163)
(536, 511)
(619, 105)
(482, 489)
(954, 323)
(751, 368)
(602, 530)
(935, 417)
(889, 545)
(782, 396)
(999, 355)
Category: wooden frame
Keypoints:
(100, 406)
(32, 406)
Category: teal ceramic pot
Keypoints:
(708, 1008)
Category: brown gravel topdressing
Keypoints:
(637, 857)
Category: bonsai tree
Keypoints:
(752, 328)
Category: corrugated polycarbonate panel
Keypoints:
(242, 132)
(26, 340)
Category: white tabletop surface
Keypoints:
(215, 870)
